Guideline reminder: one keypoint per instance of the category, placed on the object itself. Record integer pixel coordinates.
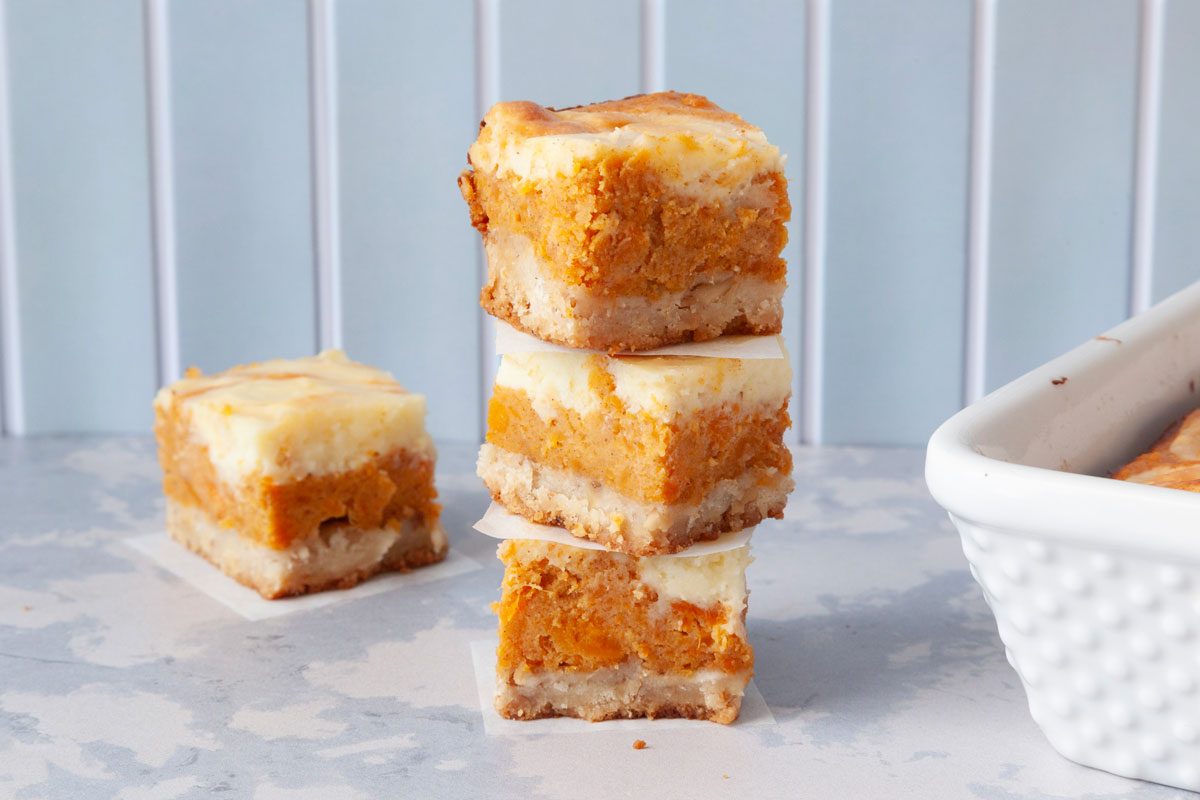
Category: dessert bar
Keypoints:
(642, 454)
(630, 224)
(299, 475)
(601, 635)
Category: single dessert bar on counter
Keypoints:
(1173, 461)
(295, 476)
(602, 635)
(630, 224)
(642, 454)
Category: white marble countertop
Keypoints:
(875, 652)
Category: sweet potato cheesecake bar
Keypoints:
(642, 454)
(1174, 460)
(295, 476)
(602, 635)
(630, 224)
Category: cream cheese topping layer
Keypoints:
(704, 158)
(288, 418)
(704, 581)
(663, 387)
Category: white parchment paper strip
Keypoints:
(501, 524)
(511, 340)
(183, 563)
(755, 710)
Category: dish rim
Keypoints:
(1070, 507)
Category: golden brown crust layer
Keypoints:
(526, 119)
(589, 510)
(408, 561)
(615, 335)
(337, 557)
(518, 291)
(637, 455)
(391, 487)
(1173, 461)
(623, 694)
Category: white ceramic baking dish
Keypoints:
(1095, 583)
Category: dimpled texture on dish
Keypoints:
(1107, 647)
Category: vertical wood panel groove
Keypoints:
(323, 104)
(1063, 173)
(487, 92)
(241, 128)
(405, 111)
(80, 186)
(1176, 198)
(816, 158)
(979, 224)
(896, 212)
(653, 45)
(162, 189)
(12, 420)
(1145, 192)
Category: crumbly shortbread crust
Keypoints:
(592, 511)
(338, 556)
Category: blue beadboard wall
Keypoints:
(238, 88)
(1066, 77)
(1176, 235)
(78, 295)
(896, 205)
(409, 288)
(977, 185)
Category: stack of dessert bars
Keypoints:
(611, 230)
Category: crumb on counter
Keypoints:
(639, 744)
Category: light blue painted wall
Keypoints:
(1063, 176)
(410, 289)
(899, 91)
(243, 182)
(564, 54)
(899, 135)
(82, 216)
(751, 63)
(1177, 233)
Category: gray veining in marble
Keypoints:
(875, 652)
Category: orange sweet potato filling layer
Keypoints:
(617, 228)
(389, 488)
(637, 455)
(596, 614)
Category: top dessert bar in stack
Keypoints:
(630, 224)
